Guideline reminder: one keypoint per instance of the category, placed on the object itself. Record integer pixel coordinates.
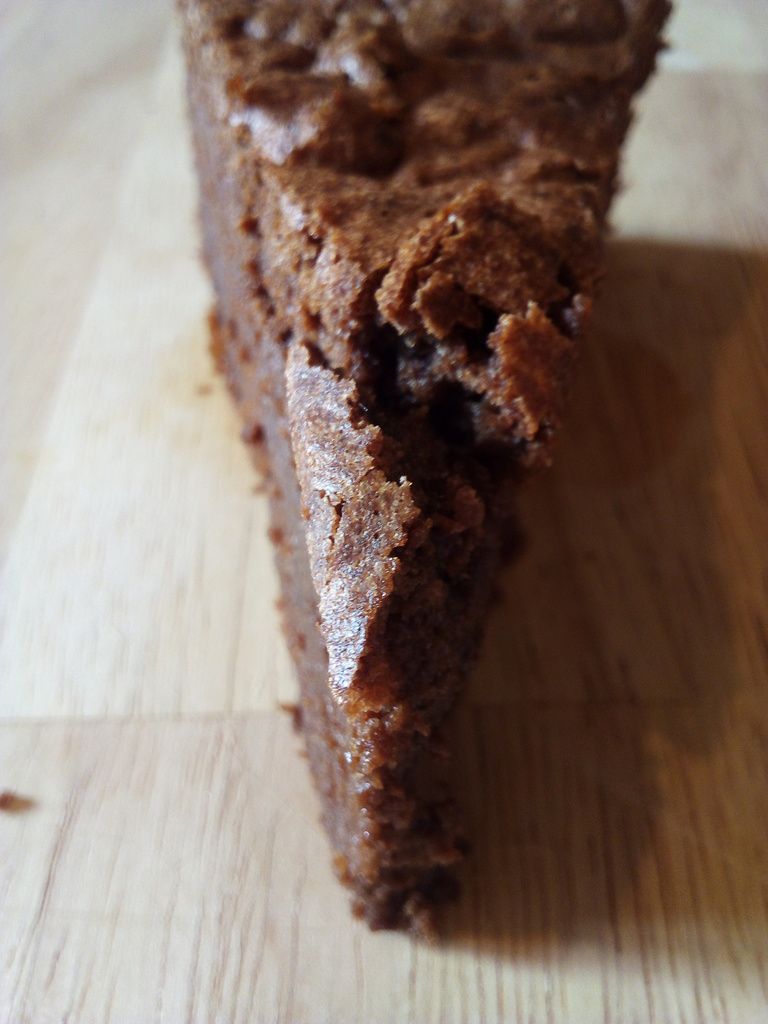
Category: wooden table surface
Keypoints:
(161, 858)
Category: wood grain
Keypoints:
(161, 860)
(155, 511)
(75, 81)
(174, 870)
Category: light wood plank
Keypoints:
(613, 753)
(75, 82)
(124, 584)
(706, 34)
(694, 166)
(175, 871)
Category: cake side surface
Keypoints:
(402, 216)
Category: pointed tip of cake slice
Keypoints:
(399, 594)
(358, 520)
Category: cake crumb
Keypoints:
(13, 803)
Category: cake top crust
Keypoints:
(443, 170)
(426, 91)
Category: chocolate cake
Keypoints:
(402, 207)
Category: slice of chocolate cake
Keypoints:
(402, 208)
